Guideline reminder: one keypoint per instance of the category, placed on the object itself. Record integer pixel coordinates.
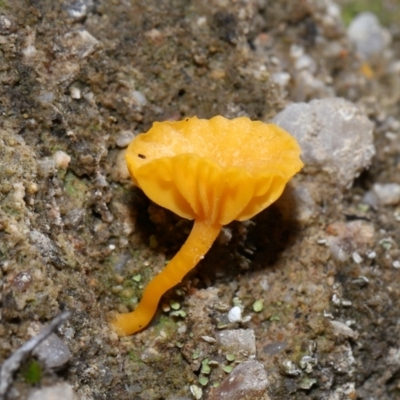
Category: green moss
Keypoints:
(75, 187)
(32, 372)
(133, 355)
(167, 325)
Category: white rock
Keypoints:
(124, 138)
(235, 314)
(341, 329)
(139, 98)
(79, 9)
(79, 43)
(61, 159)
(387, 194)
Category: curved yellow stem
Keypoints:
(196, 246)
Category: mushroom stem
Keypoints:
(197, 244)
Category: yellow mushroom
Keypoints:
(213, 171)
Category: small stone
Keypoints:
(248, 381)
(59, 391)
(334, 136)
(7, 25)
(120, 171)
(235, 314)
(238, 341)
(367, 34)
(46, 167)
(61, 159)
(387, 194)
(53, 352)
(79, 10)
(356, 257)
(196, 391)
(274, 348)
(361, 281)
(290, 369)
(341, 329)
(139, 99)
(79, 43)
(307, 363)
(346, 303)
(225, 235)
(75, 93)
(208, 339)
(124, 138)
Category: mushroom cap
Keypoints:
(218, 170)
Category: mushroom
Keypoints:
(212, 171)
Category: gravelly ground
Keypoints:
(78, 81)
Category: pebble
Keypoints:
(56, 392)
(53, 352)
(248, 381)
(61, 159)
(196, 391)
(281, 79)
(334, 136)
(366, 33)
(387, 194)
(238, 342)
(46, 167)
(139, 98)
(75, 92)
(124, 138)
(235, 314)
(121, 170)
(274, 348)
(79, 10)
(79, 43)
(342, 330)
(7, 25)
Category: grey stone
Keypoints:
(334, 136)
(240, 342)
(387, 194)
(248, 381)
(53, 352)
(367, 35)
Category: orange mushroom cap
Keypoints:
(217, 170)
